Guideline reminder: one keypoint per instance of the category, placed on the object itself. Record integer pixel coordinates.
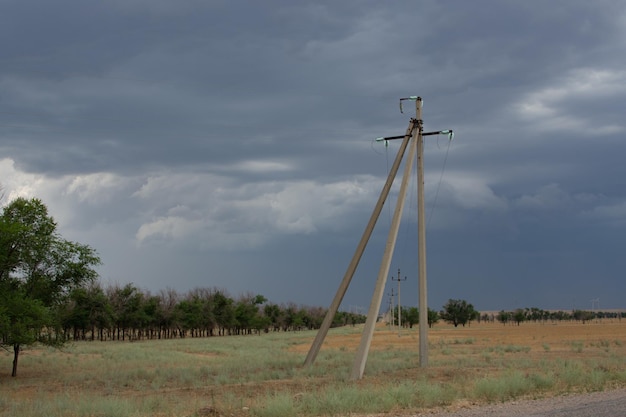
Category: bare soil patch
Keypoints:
(562, 339)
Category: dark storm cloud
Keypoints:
(231, 143)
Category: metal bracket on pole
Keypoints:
(411, 98)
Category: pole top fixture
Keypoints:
(411, 98)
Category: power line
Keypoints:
(443, 168)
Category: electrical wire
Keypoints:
(443, 168)
(387, 172)
(413, 208)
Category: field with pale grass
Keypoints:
(263, 375)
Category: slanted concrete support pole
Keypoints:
(343, 287)
(372, 315)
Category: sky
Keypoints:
(230, 144)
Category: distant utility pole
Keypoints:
(391, 309)
(414, 131)
(399, 302)
(594, 302)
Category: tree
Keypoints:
(129, 314)
(25, 318)
(295, 318)
(38, 270)
(411, 316)
(247, 314)
(274, 315)
(584, 316)
(153, 309)
(504, 316)
(519, 316)
(458, 312)
(190, 314)
(169, 315)
(88, 309)
(224, 312)
(433, 317)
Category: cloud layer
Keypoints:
(230, 144)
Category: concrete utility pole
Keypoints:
(421, 239)
(391, 309)
(421, 226)
(416, 146)
(399, 302)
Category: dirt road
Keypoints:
(597, 404)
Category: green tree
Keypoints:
(224, 312)
(38, 270)
(153, 309)
(190, 315)
(458, 312)
(433, 317)
(25, 319)
(411, 316)
(167, 314)
(535, 314)
(519, 316)
(504, 316)
(274, 316)
(248, 316)
(314, 316)
(295, 318)
(129, 315)
(584, 316)
(88, 309)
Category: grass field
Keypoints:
(263, 375)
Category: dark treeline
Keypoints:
(128, 313)
(534, 314)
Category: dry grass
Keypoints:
(263, 375)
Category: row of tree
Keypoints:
(127, 313)
(49, 294)
(455, 312)
(460, 312)
(534, 314)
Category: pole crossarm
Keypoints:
(448, 132)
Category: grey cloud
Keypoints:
(185, 138)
